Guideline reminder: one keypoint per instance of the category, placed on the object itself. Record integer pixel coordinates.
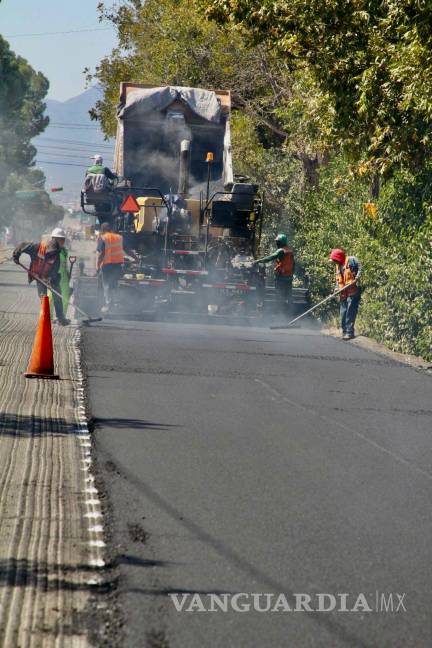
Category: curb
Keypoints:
(369, 344)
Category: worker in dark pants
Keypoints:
(109, 262)
(283, 270)
(98, 187)
(348, 271)
(45, 263)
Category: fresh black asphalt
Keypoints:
(242, 460)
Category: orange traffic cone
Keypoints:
(42, 359)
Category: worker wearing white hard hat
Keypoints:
(58, 233)
(45, 259)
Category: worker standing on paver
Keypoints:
(348, 271)
(283, 269)
(99, 169)
(98, 185)
(110, 260)
(45, 263)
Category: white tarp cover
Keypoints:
(204, 103)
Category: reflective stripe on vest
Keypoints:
(345, 277)
(285, 267)
(41, 266)
(113, 249)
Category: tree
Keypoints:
(371, 58)
(22, 107)
(171, 42)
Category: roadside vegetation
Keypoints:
(333, 118)
(22, 195)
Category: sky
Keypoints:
(61, 57)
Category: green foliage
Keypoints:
(170, 42)
(21, 111)
(371, 58)
(397, 259)
(22, 107)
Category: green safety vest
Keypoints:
(64, 281)
(96, 168)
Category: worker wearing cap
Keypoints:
(99, 168)
(283, 257)
(98, 185)
(45, 264)
(110, 261)
(348, 272)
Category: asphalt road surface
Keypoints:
(256, 461)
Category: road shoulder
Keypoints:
(369, 344)
(51, 536)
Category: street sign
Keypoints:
(54, 189)
(130, 205)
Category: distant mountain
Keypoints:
(66, 146)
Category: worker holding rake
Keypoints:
(348, 271)
(45, 265)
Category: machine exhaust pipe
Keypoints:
(185, 154)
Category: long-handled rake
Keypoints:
(296, 319)
(87, 319)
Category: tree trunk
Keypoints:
(310, 171)
(375, 187)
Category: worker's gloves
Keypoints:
(15, 259)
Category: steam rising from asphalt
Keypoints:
(152, 157)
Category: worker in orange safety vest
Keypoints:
(110, 261)
(283, 269)
(45, 264)
(348, 271)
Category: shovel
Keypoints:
(86, 320)
(335, 294)
(72, 261)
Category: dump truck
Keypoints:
(191, 227)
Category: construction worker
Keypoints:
(98, 187)
(348, 271)
(98, 168)
(283, 269)
(45, 264)
(110, 260)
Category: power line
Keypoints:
(79, 157)
(70, 148)
(67, 127)
(81, 166)
(73, 124)
(75, 142)
(70, 31)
